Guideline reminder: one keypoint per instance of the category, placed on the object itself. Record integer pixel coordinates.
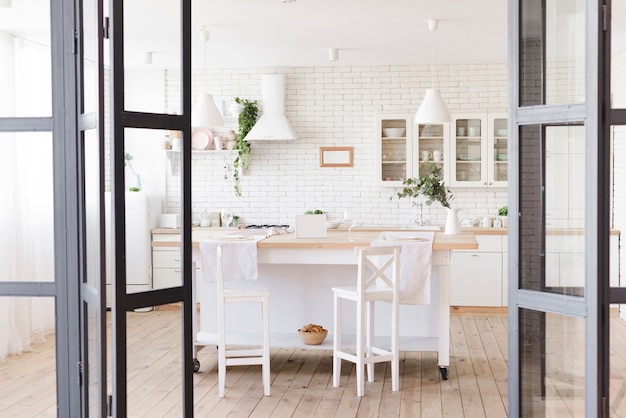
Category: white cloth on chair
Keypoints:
(239, 257)
(415, 263)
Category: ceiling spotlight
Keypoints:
(333, 55)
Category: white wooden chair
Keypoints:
(377, 280)
(238, 356)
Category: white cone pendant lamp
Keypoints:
(433, 109)
(205, 113)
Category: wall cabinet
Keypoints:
(394, 137)
(403, 148)
(478, 150)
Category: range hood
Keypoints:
(273, 125)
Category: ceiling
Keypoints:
(271, 33)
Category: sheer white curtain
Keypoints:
(26, 214)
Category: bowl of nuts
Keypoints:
(313, 334)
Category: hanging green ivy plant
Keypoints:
(247, 119)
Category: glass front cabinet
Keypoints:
(404, 148)
(479, 150)
(395, 148)
(433, 147)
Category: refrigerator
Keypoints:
(142, 216)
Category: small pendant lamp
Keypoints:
(433, 109)
(205, 113)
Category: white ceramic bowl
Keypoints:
(332, 224)
(393, 132)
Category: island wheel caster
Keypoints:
(196, 365)
(444, 373)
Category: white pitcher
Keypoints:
(452, 221)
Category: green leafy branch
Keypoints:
(247, 119)
(428, 184)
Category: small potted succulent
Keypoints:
(503, 214)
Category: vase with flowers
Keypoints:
(431, 185)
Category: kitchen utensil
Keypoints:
(460, 131)
(485, 222)
(473, 131)
(219, 143)
(425, 155)
(437, 155)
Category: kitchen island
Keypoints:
(300, 274)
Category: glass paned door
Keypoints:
(558, 187)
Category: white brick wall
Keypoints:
(331, 106)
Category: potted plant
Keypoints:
(503, 214)
(246, 119)
(431, 185)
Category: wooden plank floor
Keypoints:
(301, 379)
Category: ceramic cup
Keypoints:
(219, 143)
(437, 155)
(473, 131)
(460, 131)
(425, 155)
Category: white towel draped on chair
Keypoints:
(415, 263)
(239, 257)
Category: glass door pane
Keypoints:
(468, 150)
(618, 55)
(394, 150)
(25, 73)
(499, 149)
(431, 146)
(552, 351)
(552, 52)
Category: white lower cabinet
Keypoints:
(476, 277)
(480, 277)
(166, 267)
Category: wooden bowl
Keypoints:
(313, 338)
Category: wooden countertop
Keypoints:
(339, 239)
(336, 239)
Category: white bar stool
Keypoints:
(239, 357)
(377, 280)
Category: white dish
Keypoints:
(393, 132)
(201, 139)
(332, 224)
